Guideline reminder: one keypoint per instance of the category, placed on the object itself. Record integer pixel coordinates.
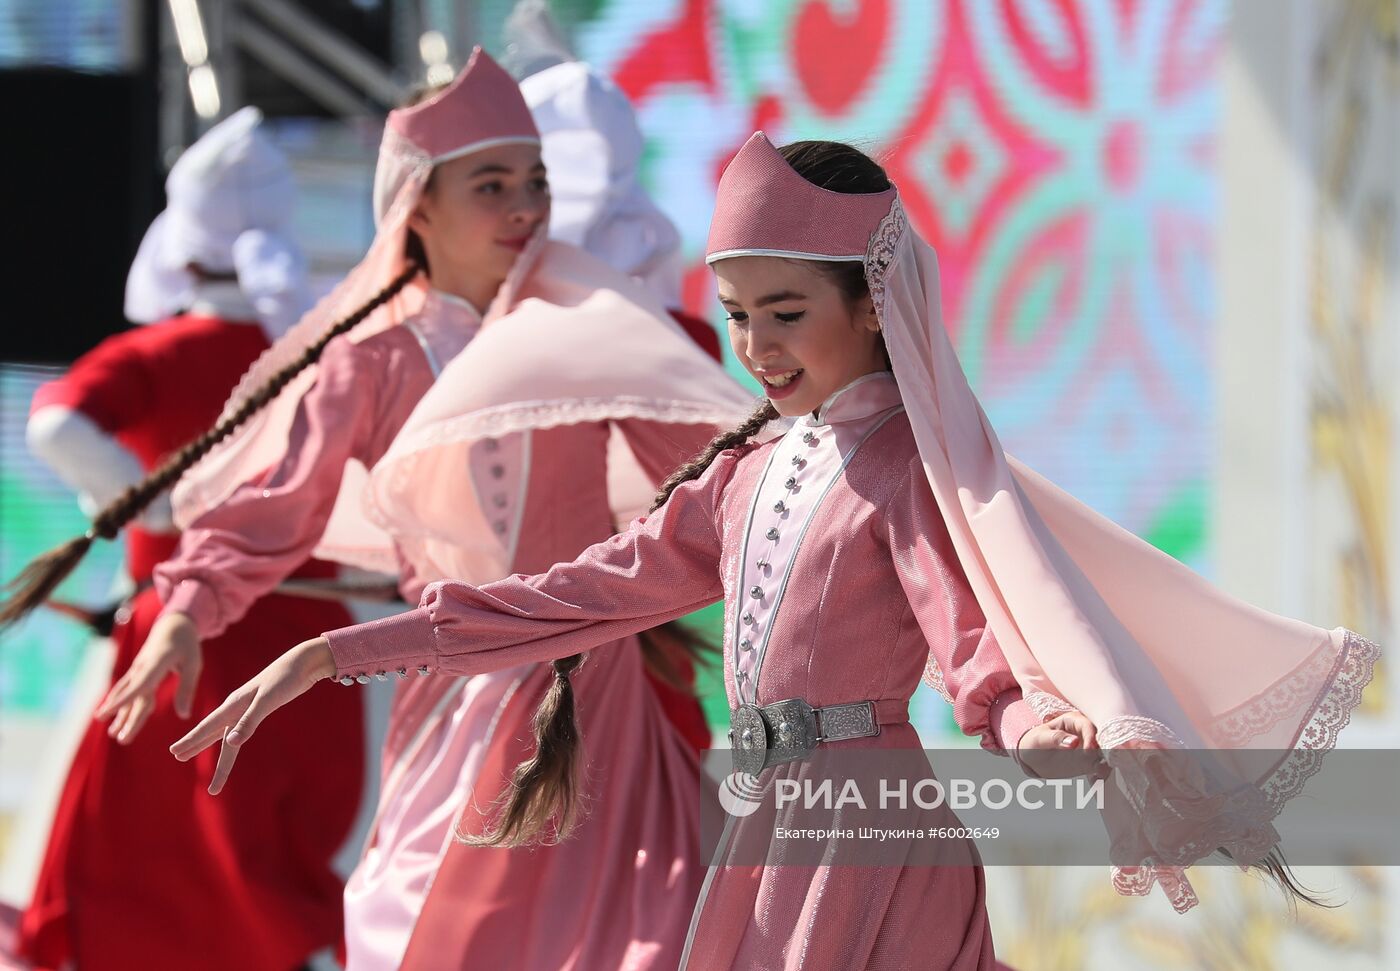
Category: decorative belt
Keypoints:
(788, 731)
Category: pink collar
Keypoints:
(867, 395)
(450, 309)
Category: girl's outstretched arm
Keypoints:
(664, 566)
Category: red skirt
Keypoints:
(145, 870)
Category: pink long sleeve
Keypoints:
(965, 663)
(663, 567)
(241, 550)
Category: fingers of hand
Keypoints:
(1060, 738)
(1088, 733)
(213, 727)
(118, 720)
(1079, 724)
(1086, 762)
(134, 717)
(1062, 764)
(228, 752)
(250, 721)
(233, 741)
(120, 695)
(122, 718)
(141, 680)
(1041, 737)
(109, 704)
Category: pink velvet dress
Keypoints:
(620, 895)
(813, 540)
(239, 550)
(453, 742)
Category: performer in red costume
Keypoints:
(142, 870)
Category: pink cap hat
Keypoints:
(764, 208)
(481, 108)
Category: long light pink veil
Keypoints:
(592, 145)
(1212, 713)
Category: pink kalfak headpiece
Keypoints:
(765, 208)
(482, 107)
(1211, 713)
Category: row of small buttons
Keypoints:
(499, 499)
(764, 564)
(363, 677)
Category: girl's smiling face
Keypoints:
(796, 331)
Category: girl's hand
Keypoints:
(1064, 747)
(171, 648)
(240, 715)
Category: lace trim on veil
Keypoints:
(880, 254)
(1240, 821)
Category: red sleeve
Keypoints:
(109, 384)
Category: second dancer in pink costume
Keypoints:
(529, 437)
(460, 178)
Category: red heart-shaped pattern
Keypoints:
(836, 55)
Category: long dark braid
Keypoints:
(37, 581)
(732, 439)
(543, 804)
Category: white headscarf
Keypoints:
(592, 148)
(229, 198)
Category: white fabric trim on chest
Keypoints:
(445, 328)
(804, 466)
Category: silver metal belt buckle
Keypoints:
(853, 720)
(785, 731)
